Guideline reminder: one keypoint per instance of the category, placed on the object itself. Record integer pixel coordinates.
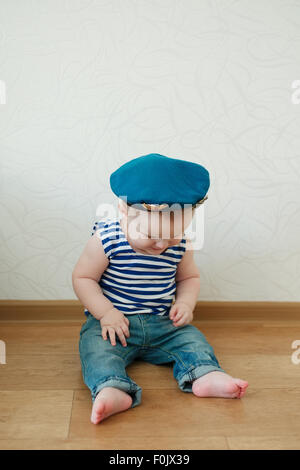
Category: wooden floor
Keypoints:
(44, 403)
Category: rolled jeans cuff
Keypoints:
(186, 380)
(127, 386)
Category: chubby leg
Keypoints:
(196, 367)
(104, 372)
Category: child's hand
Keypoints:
(114, 322)
(181, 314)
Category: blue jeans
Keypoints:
(153, 339)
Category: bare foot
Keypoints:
(219, 384)
(109, 400)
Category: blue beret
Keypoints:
(157, 179)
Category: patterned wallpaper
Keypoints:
(87, 85)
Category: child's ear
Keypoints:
(132, 212)
(128, 211)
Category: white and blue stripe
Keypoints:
(136, 282)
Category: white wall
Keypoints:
(93, 84)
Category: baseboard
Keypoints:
(72, 310)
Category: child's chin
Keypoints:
(156, 251)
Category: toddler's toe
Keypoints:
(242, 384)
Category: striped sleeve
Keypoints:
(106, 232)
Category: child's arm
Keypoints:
(85, 277)
(187, 278)
(187, 288)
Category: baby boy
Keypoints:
(139, 283)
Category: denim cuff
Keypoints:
(127, 386)
(186, 380)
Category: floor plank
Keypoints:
(31, 414)
(43, 338)
(256, 414)
(45, 404)
(261, 443)
(48, 338)
(248, 339)
(56, 372)
(123, 443)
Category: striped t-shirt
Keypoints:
(136, 282)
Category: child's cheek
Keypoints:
(145, 242)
